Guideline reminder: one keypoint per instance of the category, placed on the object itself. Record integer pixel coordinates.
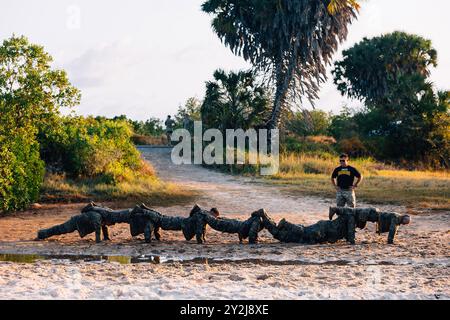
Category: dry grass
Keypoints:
(143, 187)
(149, 140)
(382, 185)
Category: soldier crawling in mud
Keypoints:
(386, 221)
(245, 229)
(93, 218)
(321, 232)
(148, 221)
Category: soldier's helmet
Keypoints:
(282, 224)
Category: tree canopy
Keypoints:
(31, 95)
(291, 40)
(234, 100)
(371, 67)
(404, 117)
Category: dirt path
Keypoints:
(416, 267)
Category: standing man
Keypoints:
(343, 178)
(186, 122)
(170, 123)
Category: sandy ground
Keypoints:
(417, 267)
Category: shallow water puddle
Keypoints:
(33, 258)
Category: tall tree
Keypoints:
(31, 95)
(371, 67)
(233, 101)
(291, 40)
(404, 118)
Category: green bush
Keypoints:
(31, 96)
(21, 172)
(295, 144)
(94, 148)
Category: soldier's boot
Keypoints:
(283, 224)
(259, 213)
(332, 212)
(268, 221)
(270, 225)
(144, 206)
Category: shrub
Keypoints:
(310, 145)
(139, 140)
(31, 96)
(21, 172)
(93, 148)
(353, 147)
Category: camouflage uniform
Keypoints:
(386, 221)
(344, 197)
(148, 221)
(93, 218)
(245, 229)
(389, 222)
(169, 123)
(84, 223)
(321, 232)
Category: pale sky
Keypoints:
(144, 58)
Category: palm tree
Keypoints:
(291, 40)
(336, 5)
(233, 101)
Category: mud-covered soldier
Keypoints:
(343, 180)
(244, 229)
(149, 222)
(85, 223)
(387, 222)
(170, 124)
(321, 232)
(109, 216)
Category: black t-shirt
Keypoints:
(345, 176)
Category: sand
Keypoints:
(416, 267)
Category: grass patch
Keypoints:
(140, 140)
(58, 188)
(309, 175)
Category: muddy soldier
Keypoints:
(321, 232)
(148, 221)
(244, 229)
(93, 218)
(343, 178)
(387, 222)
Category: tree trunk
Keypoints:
(284, 79)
